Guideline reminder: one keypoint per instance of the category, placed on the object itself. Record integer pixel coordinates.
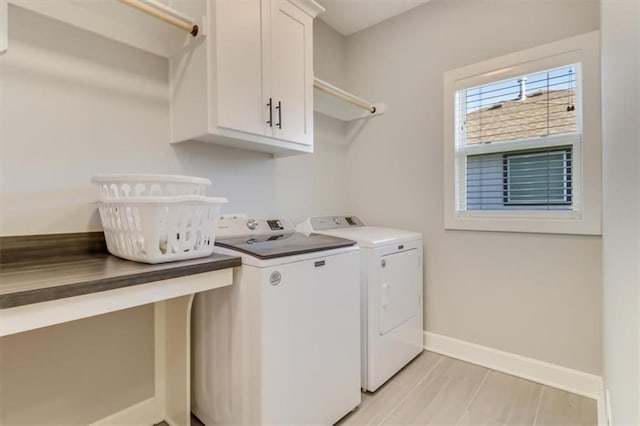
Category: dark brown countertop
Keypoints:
(49, 278)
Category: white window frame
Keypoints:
(585, 217)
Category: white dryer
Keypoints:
(280, 345)
(391, 293)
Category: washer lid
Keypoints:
(281, 245)
(373, 236)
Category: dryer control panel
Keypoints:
(323, 223)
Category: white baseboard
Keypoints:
(545, 373)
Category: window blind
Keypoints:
(538, 104)
(527, 180)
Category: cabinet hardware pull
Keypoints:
(279, 108)
(270, 105)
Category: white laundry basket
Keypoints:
(160, 229)
(137, 185)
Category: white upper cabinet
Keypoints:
(249, 82)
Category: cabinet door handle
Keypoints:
(279, 108)
(270, 105)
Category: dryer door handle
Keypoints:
(384, 302)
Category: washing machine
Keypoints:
(280, 345)
(391, 293)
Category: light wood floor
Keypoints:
(437, 390)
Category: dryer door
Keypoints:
(399, 280)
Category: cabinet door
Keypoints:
(238, 64)
(292, 72)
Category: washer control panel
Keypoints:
(275, 224)
(239, 226)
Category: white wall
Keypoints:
(620, 20)
(73, 105)
(329, 50)
(534, 295)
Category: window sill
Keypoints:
(559, 222)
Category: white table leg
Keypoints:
(178, 360)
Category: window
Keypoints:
(522, 141)
(513, 116)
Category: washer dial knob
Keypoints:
(252, 224)
(336, 220)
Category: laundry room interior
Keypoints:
(525, 313)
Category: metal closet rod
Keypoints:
(345, 96)
(163, 13)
